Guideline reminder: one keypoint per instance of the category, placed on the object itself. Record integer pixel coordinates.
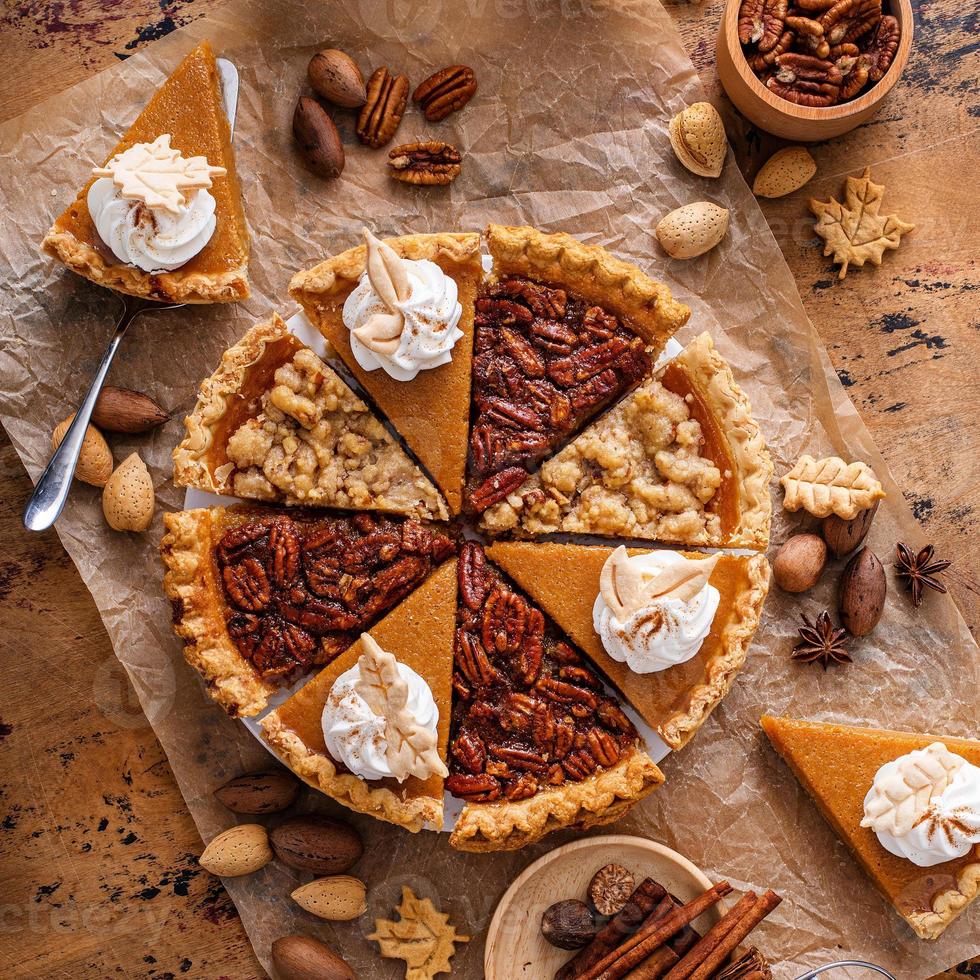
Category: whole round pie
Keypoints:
(403, 493)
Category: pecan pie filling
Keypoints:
(545, 361)
(299, 591)
(528, 712)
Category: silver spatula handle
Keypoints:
(832, 966)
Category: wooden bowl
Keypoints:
(775, 115)
(515, 948)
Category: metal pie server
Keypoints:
(812, 974)
(52, 488)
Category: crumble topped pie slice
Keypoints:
(275, 423)
(188, 109)
(260, 595)
(430, 411)
(419, 633)
(562, 330)
(679, 460)
(536, 744)
(565, 580)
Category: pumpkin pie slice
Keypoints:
(261, 595)
(187, 108)
(836, 765)
(275, 423)
(419, 634)
(430, 411)
(680, 460)
(536, 744)
(564, 580)
(563, 330)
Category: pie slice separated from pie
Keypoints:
(260, 595)
(562, 330)
(188, 109)
(418, 633)
(679, 460)
(275, 423)
(836, 765)
(430, 411)
(536, 743)
(564, 579)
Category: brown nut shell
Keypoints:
(334, 76)
(863, 587)
(317, 844)
(259, 792)
(799, 562)
(842, 536)
(125, 410)
(306, 958)
(318, 139)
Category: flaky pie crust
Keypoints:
(320, 772)
(947, 905)
(602, 798)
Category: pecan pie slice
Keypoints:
(679, 460)
(260, 595)
(536, 743)
(562, 330)
(275, 423)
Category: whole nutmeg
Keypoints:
(610, 889)
(128, 501)
(863, 588)
(842, 536)
(306, 958)
(317, 844)
(335, 77)
(318, 139)
(239, 850)
(95, 460)
(259, 792)
(125, 410)
(799, 562)
(569, 924)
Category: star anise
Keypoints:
(918, 570)
(821, 641)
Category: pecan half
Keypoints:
(806, 80)
(882, 47)
(760, 22)
(248, 585)
(470, 751)
(855, 73)
(445, 91)
(431, 163)
(387, 95)
(493, 490)
(847, 20)
(477, 789)
(760, 62)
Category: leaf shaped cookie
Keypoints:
(830, 486)
(423, 938)
(855, 232)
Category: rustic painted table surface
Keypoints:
(98, 869)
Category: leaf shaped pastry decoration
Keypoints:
(626, 587)
(855, 231)
(905, 790)
(412, 749)
(388, 276)
(423, 938)
(830, 486)
(156, 174)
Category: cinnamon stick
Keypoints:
(641, 903)
(736, 936)
(713, 938)
(638, 947)
(655, 965)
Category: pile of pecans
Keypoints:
(817, 52)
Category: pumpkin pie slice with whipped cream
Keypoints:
(906, 804)
(162, 217)
(670, 629)
(679, 460)
(372, 728)
(277, 424)
(400, 315)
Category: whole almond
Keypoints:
(799, 562)
(240, 850)
(306, 958)
(697, 135)
(842, 536)
(692, 230)
(259, 792)
(317, 844)
(339, 898)
(863, 587)
(335, 77)
(95, 461)
(127, 498)
(318, 139)
(787, 170)
(125, 410)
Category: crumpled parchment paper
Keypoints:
(567, 131)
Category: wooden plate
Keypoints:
(515, 948)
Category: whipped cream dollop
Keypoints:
(403, 314)
(654, 610)
(357, 736)
(925, 806)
